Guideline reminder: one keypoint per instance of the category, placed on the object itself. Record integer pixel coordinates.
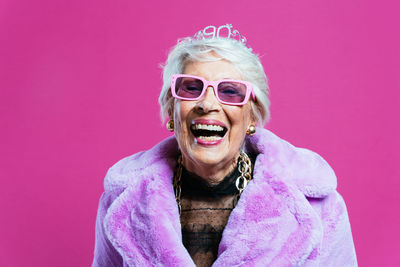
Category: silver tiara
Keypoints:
(223, 31)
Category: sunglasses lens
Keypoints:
(188, 87)
(232, 92)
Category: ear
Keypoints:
(253, 120)
(253, 108)
(171, 105)
(171, 111)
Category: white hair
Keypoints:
(190, 50)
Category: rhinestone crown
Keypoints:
(223, 31)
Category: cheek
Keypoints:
(177, 120)
(177, 116)
(181, 113)
(247, 116)
(241, 118)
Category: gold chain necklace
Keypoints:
(245, 169)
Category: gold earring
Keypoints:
(170, 125)
(251, 129)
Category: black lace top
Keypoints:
(205, 212)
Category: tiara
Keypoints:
(223, 31)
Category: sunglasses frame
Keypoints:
(214, 85)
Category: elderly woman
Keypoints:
(220, 192)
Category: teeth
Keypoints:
(207, 127)
(210, 138)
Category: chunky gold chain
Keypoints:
(177, 182)
(245, 169)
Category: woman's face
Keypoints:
(210, 134)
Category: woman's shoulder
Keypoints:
(129, 170)
(279, 159)
(280, 163)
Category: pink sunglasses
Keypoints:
(229, 92)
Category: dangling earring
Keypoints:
(251, 129)
(170, 125)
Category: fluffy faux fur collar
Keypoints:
(272, 224)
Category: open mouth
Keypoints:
(208, 132)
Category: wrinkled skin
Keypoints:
(212, 162)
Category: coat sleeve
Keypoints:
(105, 255)
(337, 245)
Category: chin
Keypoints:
(210, 155)
(209, 159)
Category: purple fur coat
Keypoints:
(290, 214)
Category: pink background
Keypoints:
(79, 83)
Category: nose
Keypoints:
(209, 101)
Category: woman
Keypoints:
(195, 198)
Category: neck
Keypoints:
(211, 173)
